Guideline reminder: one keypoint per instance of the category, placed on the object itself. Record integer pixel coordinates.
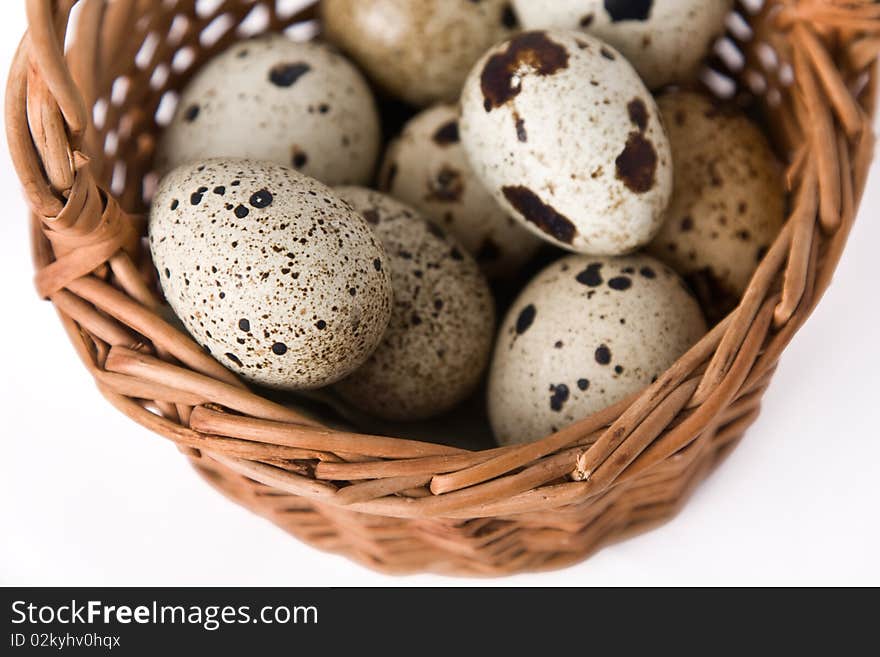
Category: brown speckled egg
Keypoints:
(664, 39)
(586, 333)
(729, 200)
(440, 335)
(418, 50)
(270, 271)
(427, 168)
(298, 104)
(563, 133)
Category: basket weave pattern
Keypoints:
(82, 123)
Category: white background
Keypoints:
(89, 498)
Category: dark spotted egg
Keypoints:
(298, 104)
(664, 39)
(427, 168)
(437, 345)
(418, 50)
(561, 130)
(729, 200)
(270, 271)
(586, 333)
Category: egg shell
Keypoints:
(439, 339)
(270, 271)
(418, 50)
(562, 132)
(664, 39)
(584, 334)
(729, 200)
(427, 168)
(299, 104)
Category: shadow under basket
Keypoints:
(88, 92)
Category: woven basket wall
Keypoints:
(82, 121)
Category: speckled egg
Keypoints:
(427, 168)
(270, 271)
(418, 50)
(298, 104)
(563, 133)
(664, 39)
(729, 200)
(586, 333)
(440, 335)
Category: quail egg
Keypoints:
(729, 200)
(664, 39)
(584, 334)
(417, 50)
(427, 168)
(437, 344)
(561, 130)
(298, 104)
(270, 271)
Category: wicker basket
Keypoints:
(82, 130)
